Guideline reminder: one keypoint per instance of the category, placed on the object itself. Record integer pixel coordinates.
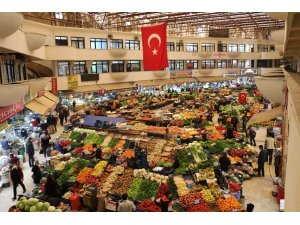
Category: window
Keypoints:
(63, 68)
(272, 48)
(79, 67)
(171, 65)
(180, 65)
(208, 47)
(221, 64)
(100, 67)
(170, 46)
(132, 44)
(191, 64)
(116, 43)
(208, 64)
(133, 65)
(9, 71)
(264, 63)
(232, 48)
(262, 48)
(61, 40)
(242, 64)
(179, 47)
(249, 48)
(59, 15)
(242, 48)
(192, 47)
(233, 63)
(117, 66)
(77, 42)
(222, 47)
(98, 43)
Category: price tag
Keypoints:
(197, 201)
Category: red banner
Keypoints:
(243, 98)
(8, 111)
(100, 92)
(155, 47)
(54, 85)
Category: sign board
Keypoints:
(7, 57)
(181, 73)
(54, 85)
(8, 111)
(72, 82)
(249, 71)
(89, 77)
(220, 55)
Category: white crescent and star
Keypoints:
(154, 35)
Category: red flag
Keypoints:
(243, 98)
(155, 47)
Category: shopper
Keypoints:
(126, 205)
(24, 133)
(30, 152)
(234, 122)
(61, 116)
(57, 146)
(66, 113)
(229, 132)
(164, 201)
(277, 161)
(36, 173)
(51, 187)
(252, 135)
(45, 142)
(262, 158)
(224, 162)
(13, 160)
(270, 146)
(5, 146)
(98, 153)
(16, 175)
(74, 105)
(245, 119)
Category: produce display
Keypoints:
(148, 206)
(229, 204)
(122, 184)
(142, 189)
(34, 205)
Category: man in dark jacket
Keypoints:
(262, 158)
(234, 122)
(30, 152)
(224, 162)
(17, 177)
(277, 162)
(252, 135)
(229, 132)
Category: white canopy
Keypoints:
(265, 116)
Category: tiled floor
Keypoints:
(258, 190)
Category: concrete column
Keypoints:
(71, 63)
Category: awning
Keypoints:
(265, 116)
(45, 101)
(51, 96)
(12, 93)
(85, 89)
(116, 86)
(37, 107)
(186, 80)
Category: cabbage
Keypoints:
(51, 209)
(46, 206)
(22, 198)
(18, 203)
(25, 202)
(27, 208)
(21, 205)
(32, 209)
(58, 210)
(39, 206)
(31, 202)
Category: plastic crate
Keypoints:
(237, 195)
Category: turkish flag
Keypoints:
(243, 98)
(155, 47)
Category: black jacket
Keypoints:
(37, 174)
(224, 163)
(51, 189)
(262, 157)
(16, 175)
(29, 148)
